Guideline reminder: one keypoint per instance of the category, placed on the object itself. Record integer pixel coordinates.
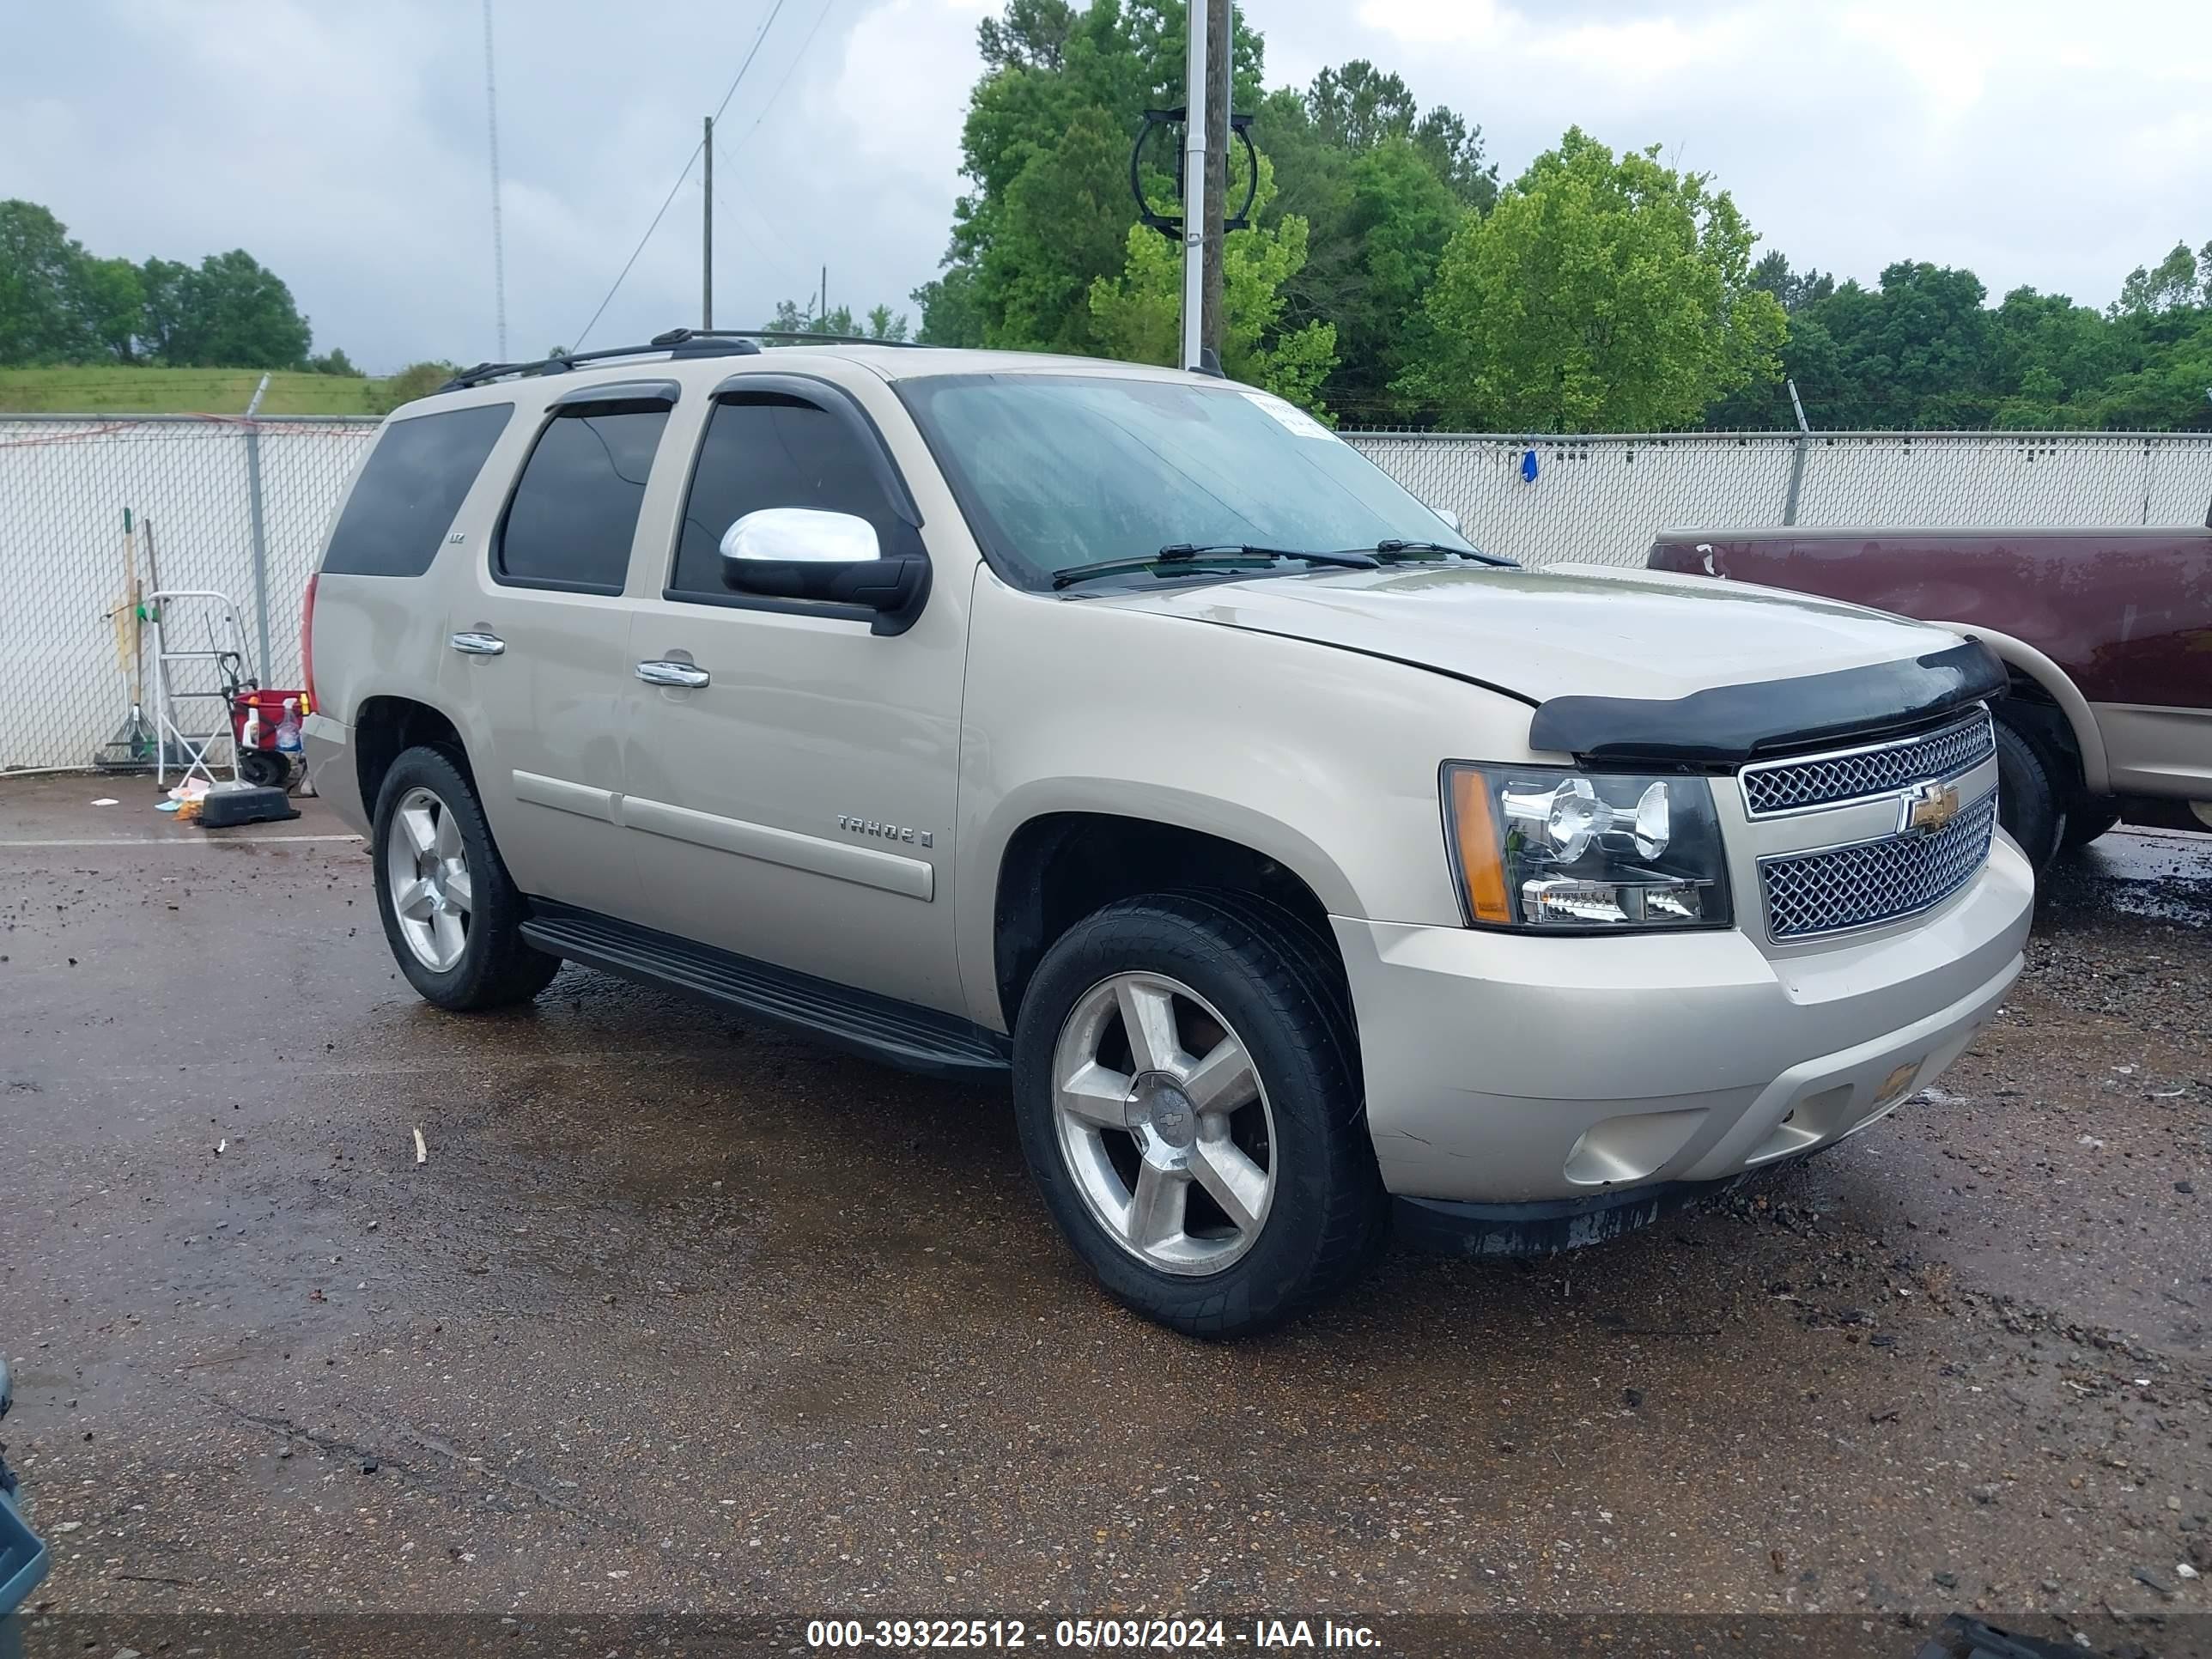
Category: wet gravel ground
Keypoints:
(679, 1315)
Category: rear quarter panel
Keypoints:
(383, 636)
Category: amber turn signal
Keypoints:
(1479, 846)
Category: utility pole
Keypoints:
(1194, 197)
(707, 236)
(1220, 53)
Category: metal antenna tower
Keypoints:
(498, 234)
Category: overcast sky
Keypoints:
(2053, 144)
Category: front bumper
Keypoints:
(1504, 1069)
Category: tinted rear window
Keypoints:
(400, 511)
(575, 510)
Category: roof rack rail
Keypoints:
(676, 342)
(807, 335)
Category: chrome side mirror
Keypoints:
(797, 535)
(804, 553)
(1448, 516)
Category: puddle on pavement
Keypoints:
(2162, 875)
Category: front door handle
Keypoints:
(685, 676)
(474, 644)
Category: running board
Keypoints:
(880, 1028)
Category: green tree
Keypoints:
(40, 320)
(2048, 358)
(1919, 351)
(1034, 35)
(109, 302)
(1796, 290)
(792, 318)
(1356, 108)
(1137, 315)
(1381, 189)
(170, 300)
(1602, 294)
(2170, 392)
(415, 380)
(334, 361)
(1045, 148)
(1924, 350)
(232, 313)
(60, 304)
(2173, 282)
(951, 314)
(1400, 216)
(1378, 184)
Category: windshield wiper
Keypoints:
(1356, 558)
(1392, 549)
(1188, 558)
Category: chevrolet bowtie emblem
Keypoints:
(1928, 807)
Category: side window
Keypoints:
(408, 493)
(767, 449)
(574, 510)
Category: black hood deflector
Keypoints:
(1728, 725)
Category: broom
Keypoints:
(131, 748)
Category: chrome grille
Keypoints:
(1790, 786)
(1873, 881)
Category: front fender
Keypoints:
(1321, 759)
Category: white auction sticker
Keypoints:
(1290, 415)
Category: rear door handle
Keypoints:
(683, 675)
(479, 645)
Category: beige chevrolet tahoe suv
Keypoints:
(1125, 734)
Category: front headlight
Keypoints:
(1551, 849)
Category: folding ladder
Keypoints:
(226, 652)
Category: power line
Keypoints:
(729, 149)
(761, 219)
(766, 24)
(640, 248)
(785, 79)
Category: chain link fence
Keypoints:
(1600, 500)
(234, 505)
(241, 506)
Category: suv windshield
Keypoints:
(1061, 470)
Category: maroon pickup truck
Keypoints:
(2108, 635)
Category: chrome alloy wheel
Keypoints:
(1164, 1124)
(426, 866)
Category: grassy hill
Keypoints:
(120, 389)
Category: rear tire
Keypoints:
(1227, 1210)
(2029, 806)
(452, 914)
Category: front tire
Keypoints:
(451, 912)
(1189, 1106)
(2028, 803)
